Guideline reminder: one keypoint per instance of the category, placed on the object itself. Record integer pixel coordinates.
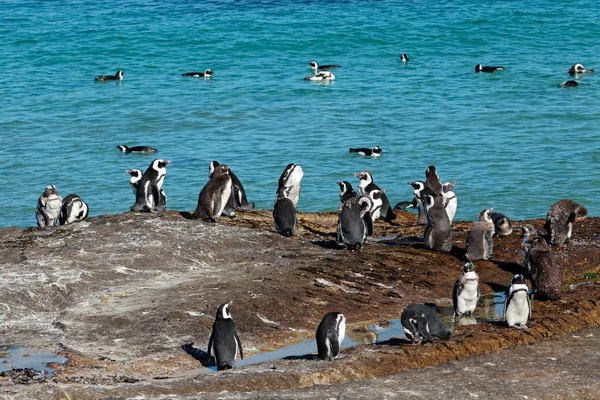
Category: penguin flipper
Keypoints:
(239, 344)
(506, 303)
(335, 345)
(423, 327)
(458, 287)
(210, 342)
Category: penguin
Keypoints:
(466, 291)
(489, 69)
(346, 191)
(215, 194)
(517, 306)
(362, 151)
(569, 84)
(48, 207)
(321, 76)
(238, 199)
(224, 339)
(136, 176)
(73, 209)
(545, 273)
(367, 185)
(438, 231)
(149, 195)
(420, 322)
(503, 226)
(315, 66)
(480, 242)
(432, 181)
(419, 194)
(207, 74)
(579, 69)
(284, 213)
(404, 58)
(355, 222)
(450, 199)
(105, 78)
(330, 335)
(560, 218)
(291, 177)
(136, 149)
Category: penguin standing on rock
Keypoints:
(291, 177)
(136, 175)
(466, 291)
(480, 241)
(420, 322)
(438, 231)
(224, 339)
(517, 306)
(560, 218)
(48, 207)
(450, 199)
(330, 335)
(502, 224)
(238, 200)
(346, 191)
(365, 186)
(355, 222)
(284, 213)
(215, 194)
(419, 194)
(73, 209)
(545, 273)
(149, 196)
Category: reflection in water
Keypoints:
(19, 357)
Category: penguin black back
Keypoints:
(224, 339)
(330, 334)
(284, 213)
(346, 191)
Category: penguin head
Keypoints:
(223, 311)
(486, 214)
(208, 73)
(365, 204)
(403, 57)
(577, 69)
(377, 150)
(123, 148)
(220, 170)
(344, 187)
(50, 191)
(448, 187)
(364, 176)
(518, 279)
(136, 174)
(431, 171)
(478, 68)
(468, 267)
(314, 65)
(119, 74)
(160, 166)
(417, 185)
(211, 167)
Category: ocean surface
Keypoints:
(514, 140)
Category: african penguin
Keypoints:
(480, 242)
(569, 84)
(419, 194)
(363, 151)
(105, 78)
(150, 196)
(502, 224)
(346, 191)
(48, 207)
(330, 335)
(206, 74)
(136, 149)
(238, 200)
(517, 306)
(284, 213)
(560, 218)
(404, 58)
(420, 322)
(321, 76)
(224, 339)
(136, 176)
(354, 222)
(450, 199)
(545, 273)
(438, 231)
(466, 291)
(215, 194)
(73, 209)
(291, 177)
(579, 69)
(365, 186)
(315, 66)
(432, 181)
(489, 69)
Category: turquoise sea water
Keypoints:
(513, 140)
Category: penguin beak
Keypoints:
(230, 303)
(168, 162)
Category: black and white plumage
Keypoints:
(363, 151)
(315, 66)
(215, 194)
(403, 58)
(346, 191)
(105, 78)
(488, 69)
(136, 175)
(420, 322)
(73, 209)
(545, 273)
(284, 213)
(560, 218)
(438, 231)
(503, 226)
(291, 177)
(450, 199)
(238, 200)
(330, 335)
(577, 69)
(480, 241)
(48, 207)
(136, 149)
(321, 76)
(466, 291)
(224, 339)
(419, 194)
(569, 84)
(206, 74)
(149, 196)
(365, 186)
(517, 306)
(355, 222)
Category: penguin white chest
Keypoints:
(224, 195)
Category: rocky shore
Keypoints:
(130, 299)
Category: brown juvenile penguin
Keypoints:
(480, 242)
(432, 181)
(438, 231)
(560, 218)
(545, 273)
(215, 194)
(502, 224)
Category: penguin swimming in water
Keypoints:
(363, 151)
(73, 209)
(291, 177)
(284, 213)
(450, 199)
(365, 186)
(488, 69)
(136, 149)
(106, 78)
(346, 191)
(315, 66)
(355, 222)
(569, 84)
(545, 273)
(215, 194)
(321, 76)
(330, 335)
(560, 218)
(206, 74)
(503, 226)
(238, 199)
(150, 196)
(579, 69)
(466, 291)
(48, 207)
(403, 58)
(420, 322)
(224, 339)
(480, 242)
(517, 306)
(438, 231)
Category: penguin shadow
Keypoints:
(328, 244)
(496, 287)
(188, 215)
(459, 252)
(317, 232)
(306, 357)
(205, 359)
(394, 342)
(511, 267)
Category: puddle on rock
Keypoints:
(20, 357)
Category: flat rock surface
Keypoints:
(124, 296)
